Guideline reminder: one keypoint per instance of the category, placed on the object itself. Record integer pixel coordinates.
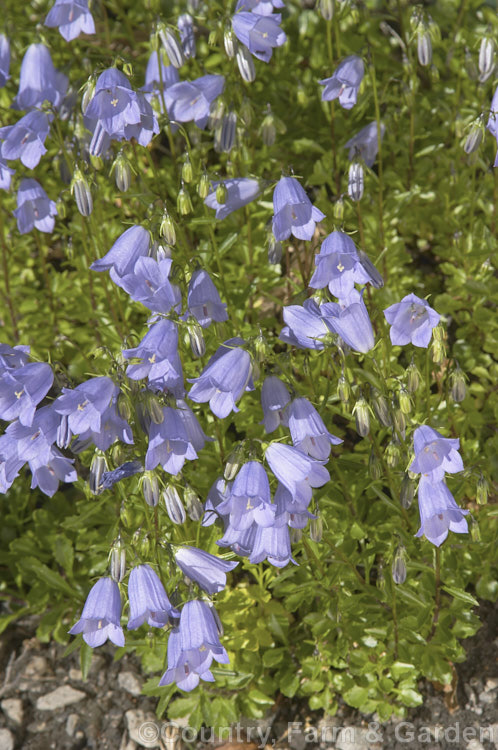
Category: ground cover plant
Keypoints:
(248, 371)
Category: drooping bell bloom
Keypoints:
(86, 404)
(439, 512)
(34, 208)
(149, 284)
(274, 399)
(169, 443)
(349, 318)
(293, 211)
(4, 60)
(239, 192)
(308, 431)
(203, 300)
(191, 100)
(159, 359)
(305, 327)
(296, 471)
(364, 145)
(272, 544)
(48, 473)
(262, 7)
(110, 478)
(25, 140)
(411, 320)
(120, 261)
(39, 81)
(13, 357)
(5, 175)
(72, 17)
(260, 34)
(249, 499)
(224, 380)
(187, 36)
(435, 454)
(344, 82)
(21, 390)
(148, 599)
(101, 615)
(157, 80)
(207, 570)
(492, 124)
(338, 266)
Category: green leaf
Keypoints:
(461, 595)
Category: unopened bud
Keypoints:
(260, 348)
(118, 561)
(362, 417)
(150, 488)
(404, 401)
(486, 58)
(295, 535)
(97, 468)
(412, 378)
(82, 194)
(274, 250)
(122, 172)
(183, 202)
(458, 386)
(327, 9)
(167, 228)
(268, 130)
(221, 193)
(204, 186)
(60, 205)
(187, 171)
(245, 64)
(155, 410)
(195, 508)
(424, 48)
(392, 454)
(172, 47)
(355, 181)
(246, 112)
(196, 338)
(482, 490)
(381, 408)
(230, 42)
(475, 136)
(399, 566)
(316, 529)
(407, 491)
(224, 137)
(174, 505)
(343, 389)
(399, 423)
(233, 462)
(438, 352)
(374, 466)
(339, 210)
(88, 92)
(216, 618)
(475, 533)
(216, 112)
(123, 405)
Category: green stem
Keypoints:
(6, 279)
(379, 161)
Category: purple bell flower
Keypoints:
(13, 357)
(261, 7)
(249, 500)
(72, 17)
(218, 492)
(169, 443)
(241, 542)
(203, 300)
(101, 615)
(5, 175)
(273, 544)
(34, 208)
(240, 192)
(434, 454)
(4, 60)
(185, 668)
(411, 320)
(260, 34)
(344, 82)
(187, 36)
(305, 327)
(22, 389)
(148, 599)
(439, 512)
(206, 570)
(133, 244)
(492, 124)
(10, 464)
(25, 140)
(293, 211)
(110, 478)
(149, 284)
(157, 80)
(290, 510)
(35, 441)
(297, 472)
(194, 431)
(351, 321)
(274, 399)
(159, 359)
(364, 145)
(112, 427)
(308, 431)
(223, 381)
(191, 100)
(39, 81)
(48, 473)
(338, 266)
(86, 404)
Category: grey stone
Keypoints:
(71, 724)
(352, 738)
(6, 740)
(59, 698)
(13, 710)
(475, 745)
(144, 729)
(129, 681)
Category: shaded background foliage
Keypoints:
(336, 625)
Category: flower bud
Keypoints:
(274, 250)
(187, 171)
(458, 386)
(88, 93)
(216, 112)
(174, 506)
(399, 424)
(183, 202)
(392, 454)
(117, 454)
(60, 205)
(295, 535)
(204, 186)
(404, 401)
(123, 406)
(399, 566)
(230, 42)
(213, 38)
(268, 129)
(167, 228)
(339, 210)
(316, 529)
(374, 466)
(97, 468)
(196, 338)
(122, 172)
(407, 491)
(486, 58)
(412, 378)
(381, 408)
(438, 351)
(155, 410)
(224, 137)
(245, 63)
(475, 533)
(216, 618)
(143, 415)
(475, 136)
(424, 48)
(343, 389)
(355, 181)
(82, 194)
(64, 434)
(362, 417)
(327, 9)
(246, 112)
(260, 348)
(172, 47)
(150, 488)
(195, 508)
(482, 490)
(221, 193)
(118, 561)
(233, 462)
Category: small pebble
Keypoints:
(13, 710)
(62, 696)
(6, 740)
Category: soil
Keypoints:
(46, 705)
